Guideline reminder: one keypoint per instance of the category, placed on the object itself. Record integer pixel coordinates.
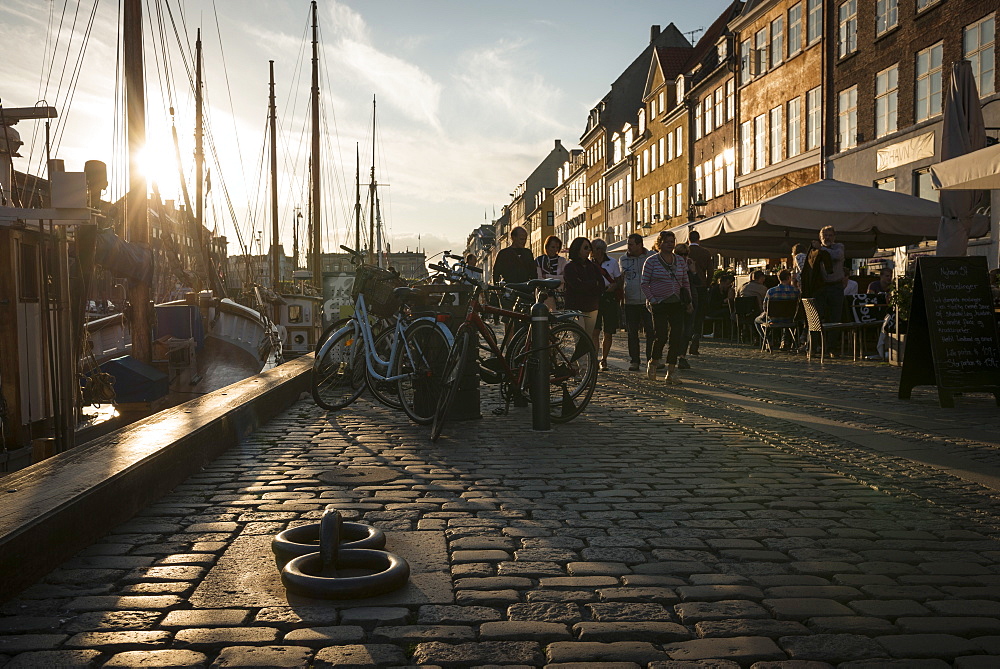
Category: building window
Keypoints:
(760, 47)
(663, 99)
(730, 100)
(777, 41)
(794, 30)
(697, 122)
(720, 176)
(670, 201)
(922, 185)
(707, 115)
(744, 62)
(678, 141)
(847, 36)
(776, 141)
(670, 146)
(886, 92)
(978, 41)
(709, 192)
(760, 141)
(652, 156)
(847, 114)
(746, 148)
(645, 162)
(663, 150)
(720, 110)
(924, 4)
(794, 134)
(889, 183)
(813, 118)
(928, 73)
(678, 200)
(730, 159)
(814, 21)
(699, 180)
(886, 15)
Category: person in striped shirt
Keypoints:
(667, 289)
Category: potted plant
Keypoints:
(900, 301)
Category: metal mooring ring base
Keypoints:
(303, 575)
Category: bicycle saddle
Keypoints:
(404, 294)
(530, 286)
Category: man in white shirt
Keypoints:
(636, 313)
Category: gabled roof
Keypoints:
(708, 40)
(669, 61)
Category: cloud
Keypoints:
(502, 80)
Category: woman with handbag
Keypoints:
(609, 309)
(667, 289)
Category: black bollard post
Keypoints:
(539, 366)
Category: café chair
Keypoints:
(745, 310)
(815, 325)
(778, 315)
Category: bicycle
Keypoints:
(573, 358)
(350, 360)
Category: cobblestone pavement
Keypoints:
(768, 513)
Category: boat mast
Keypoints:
(372, 257)
(275, 259)
(357, 198)
(199, 159)
(317, 269)
(136, 203)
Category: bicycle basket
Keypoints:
(377, 285)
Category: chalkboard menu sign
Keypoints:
(951, 340)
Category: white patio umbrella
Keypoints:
(962, 132)
(978, 169)
(865, 218)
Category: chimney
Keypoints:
(654, 32)
(558, 144)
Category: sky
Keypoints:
(470, 96)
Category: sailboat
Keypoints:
(148, 358)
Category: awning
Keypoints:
(866, 219)
(979, 170)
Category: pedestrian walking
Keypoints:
(551, 265)
(705, 262)
(668, 293)
(583, 283)
(694, 274)
(609, 308)
(637, 316)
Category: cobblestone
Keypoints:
(739, 525)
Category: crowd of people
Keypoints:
(663, 295)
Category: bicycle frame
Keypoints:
(361, 326)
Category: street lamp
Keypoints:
(697, 209)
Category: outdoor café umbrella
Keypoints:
(978, 169)
(865, 218)
(962, 131)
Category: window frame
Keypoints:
(976, 64)
(886, 11)
(814, 118)
(847, 28)
(793, 125)
(847, 118)
(776, 130)
(891, 97)
(760, 141)
(777, 46)
(933, 75)
(796, 48)
(746, 147)
(814, 21)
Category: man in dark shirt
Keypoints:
(704, 262)
(515, 263)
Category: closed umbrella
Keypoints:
(963, 131)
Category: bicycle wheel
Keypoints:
(339, 372)
(420, 364)
(454, 370)
(384, 391)
(572, 369)
(330, 330)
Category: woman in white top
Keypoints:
(551, 265)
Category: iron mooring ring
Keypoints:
(305, 539)
(316, 573)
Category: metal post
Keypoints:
(539, 366)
